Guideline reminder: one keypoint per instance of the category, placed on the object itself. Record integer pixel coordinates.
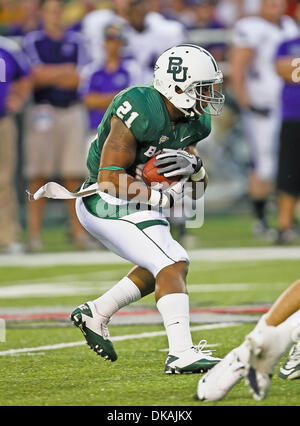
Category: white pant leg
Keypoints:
(132, 237)
(262, 135)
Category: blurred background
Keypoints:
(61, 64)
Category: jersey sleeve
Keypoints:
(130, 109)
(246, 34)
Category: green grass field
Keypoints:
(74, 375)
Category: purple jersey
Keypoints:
(291, 91)
(43, 50)
(13, 66)
(97, 79)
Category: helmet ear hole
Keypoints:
(178, 90)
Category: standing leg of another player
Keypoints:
(78, 232)
(35, 216)
(287, 304)
(260, 352)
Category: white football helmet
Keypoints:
(189, 77)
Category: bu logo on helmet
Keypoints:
(175, 67)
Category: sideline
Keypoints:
(104, 257)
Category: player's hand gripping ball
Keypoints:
(151, 176)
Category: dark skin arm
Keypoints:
(120, 150)
(192, 150)
(64, 76)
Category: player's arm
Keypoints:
(286, 66)
(118, 154)
(119, 151)
(65, 76)
(19, 93)
(193, 151)
(240, 61)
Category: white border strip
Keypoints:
(113, 339)
(104, 257)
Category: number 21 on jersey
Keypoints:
(124, 110)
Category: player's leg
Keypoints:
(153, 249)
(261, 133)
(288, 182)
(78, 233)
(285, 314)
(71, 149)
(35, 216)
(39, 165)
(173, 304)
(257, 357)
(138, 283)
(9, 223)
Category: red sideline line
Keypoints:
(63, 315)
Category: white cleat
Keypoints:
(267, 345)
(94, 328)
(193, 360)
(217, 382)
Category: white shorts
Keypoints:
(142, 238)
(55, 143)
(262, 133)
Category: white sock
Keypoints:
(122, 294)
(175, 311)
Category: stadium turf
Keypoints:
(75, 376)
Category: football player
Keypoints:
(257, 88)
(173, 114)
(257, 357)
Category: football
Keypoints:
(150, 175)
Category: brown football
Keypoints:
(150, 175)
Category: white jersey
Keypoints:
(159, 35)
(93, 26)
(263, 83)
(145, 47)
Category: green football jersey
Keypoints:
(144, 112)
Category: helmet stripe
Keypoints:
(203, 51)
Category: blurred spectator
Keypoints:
(94, 23)
(179, 10)
(101, 82)
(204, 12)
(55, 140)
(9, 14)
(297, 13)
(288, 179)
(257, 88)
(14, 91)
(292, 6)
(230, 11)
(83, 8)
(148, 35)
(31, 18)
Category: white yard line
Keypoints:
(11, 352)
(56, 289)
(103, 257)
